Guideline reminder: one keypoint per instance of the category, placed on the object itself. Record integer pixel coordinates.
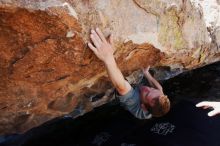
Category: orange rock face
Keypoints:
(47, 70)
(42, 69)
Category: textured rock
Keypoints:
(47, 70)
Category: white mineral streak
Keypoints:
(70, 34)
(72, 12)
(211, 11)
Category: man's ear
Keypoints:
(143, 107)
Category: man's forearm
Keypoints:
(104, 50)
(153, 82)
(147, 75)
(116, 76)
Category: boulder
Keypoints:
(47, 69)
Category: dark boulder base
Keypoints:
(111, 125)
(185, 125)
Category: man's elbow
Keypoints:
(123, 89)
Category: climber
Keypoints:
(210, 104)
(142, 101)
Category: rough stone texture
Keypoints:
(47, 70)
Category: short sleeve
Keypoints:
(131, 102)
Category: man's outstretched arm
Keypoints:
(153, 82)
(104, 50)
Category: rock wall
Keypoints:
(47, 70)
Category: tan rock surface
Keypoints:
(47, 70)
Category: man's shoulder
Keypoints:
(131, 102)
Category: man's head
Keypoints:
(154, 101)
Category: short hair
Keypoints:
(161, 106)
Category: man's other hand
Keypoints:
(208, 104)
(146, 70)
(103, 49)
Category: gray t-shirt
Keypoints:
(131, 102)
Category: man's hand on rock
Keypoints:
(214, 105)
(146, 70)
(102, 48)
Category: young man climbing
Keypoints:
(142, 101)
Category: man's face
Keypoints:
(147, 95)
